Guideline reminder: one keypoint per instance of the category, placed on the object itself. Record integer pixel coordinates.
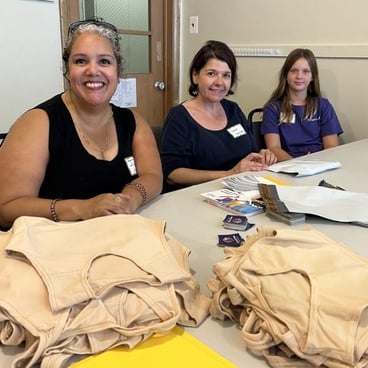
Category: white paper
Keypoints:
(304, 167)
(230, 193)
(336, 205)
(126, 93)
(245, 183)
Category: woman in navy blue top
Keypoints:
(208, 137)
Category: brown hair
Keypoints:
(281, 93)
(213, 50)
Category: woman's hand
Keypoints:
(269, 157)
(252, 162)
(108, 204)
(255, 162)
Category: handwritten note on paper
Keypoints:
(126, 93)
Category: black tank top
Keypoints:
(72, 172)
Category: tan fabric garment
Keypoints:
(300, 289)
(82, 260)
(82, 288)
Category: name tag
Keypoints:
(237, 130)
(129, 161)
(283, 119)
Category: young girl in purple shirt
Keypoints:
(297, 120)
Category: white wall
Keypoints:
(31, 67)
(30, 63)
(297, 23)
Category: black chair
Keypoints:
(2, 137)
(255, 119)
(157, 132)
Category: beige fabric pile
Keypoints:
(85, 287)
(300, 298)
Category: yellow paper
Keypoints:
(276, 181)
(176, 349)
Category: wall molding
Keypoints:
(333, 51)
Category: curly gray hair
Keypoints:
(102, 29)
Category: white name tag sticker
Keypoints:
(237, 130)
(283, 119)
(131, 165)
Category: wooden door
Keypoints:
(155, 63)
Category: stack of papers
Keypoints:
(245, 183)
(249, 183)
(290, 218)
(304, 167)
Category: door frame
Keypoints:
(69, 12)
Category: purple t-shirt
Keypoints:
(301, 136)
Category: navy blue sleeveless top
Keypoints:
(72, 172)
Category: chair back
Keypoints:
(157, 132)
(255, 120)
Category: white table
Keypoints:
(196, 224)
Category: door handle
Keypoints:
(159, 85)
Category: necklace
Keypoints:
(84, 137)
(89, 143)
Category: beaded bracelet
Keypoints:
(141, 189)
(54, 215)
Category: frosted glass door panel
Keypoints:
(135, 50)
(125, 14)
(131, 17)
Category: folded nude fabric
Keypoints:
(336, 205)
(72, 258)
(299, 296)
(85, 287)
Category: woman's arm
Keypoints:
(273, 143)
(330, 141)
(184, 176)
(330, 124)
(23, 160)
(270, 130)
(148, 185)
